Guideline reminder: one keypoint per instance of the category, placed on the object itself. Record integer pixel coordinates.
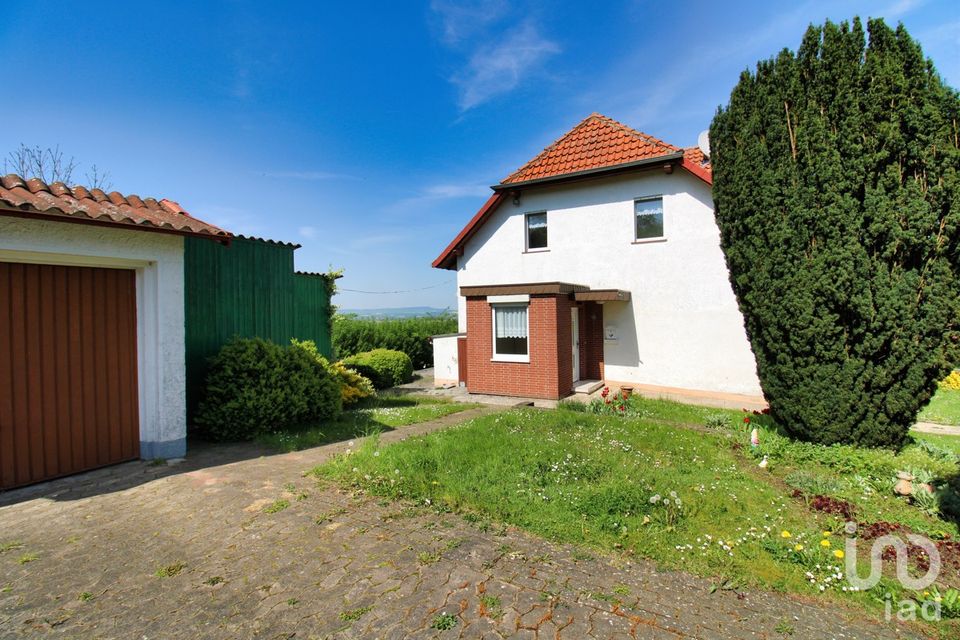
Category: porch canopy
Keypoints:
(577, 292)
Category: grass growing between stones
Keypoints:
(660, 484)
(372, 415)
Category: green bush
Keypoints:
(836, 171)
(353, 386)
(353, 335)
(384, 367)
(255, 386)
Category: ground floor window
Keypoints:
(511, 328)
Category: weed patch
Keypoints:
(354, 614)
(170, 570)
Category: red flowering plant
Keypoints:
(610, 404)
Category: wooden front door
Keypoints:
(68, 370)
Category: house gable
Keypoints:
(597, 147)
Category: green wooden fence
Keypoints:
(248, 289)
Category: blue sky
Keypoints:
(370, 132)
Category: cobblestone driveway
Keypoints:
(331, 566)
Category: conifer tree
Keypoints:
(837, 192)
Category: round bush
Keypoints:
(255, 386)
(353, 386)
(384, 367)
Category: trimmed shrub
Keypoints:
(353, 386)
(836, 173)
(384, 367)
(353, 335)
(255, 386)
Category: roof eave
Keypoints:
(33, 214)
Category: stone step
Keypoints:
(587, 386)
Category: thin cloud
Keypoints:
(307, 232)
(439, 193)
(493, 71)
(460, 21)
(901, 8)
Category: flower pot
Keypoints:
(625, 392)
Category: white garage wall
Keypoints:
(158, 261)
(682, 327)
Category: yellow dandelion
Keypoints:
(827, 534)
(838, 553)
(798, 547)
(784, 534)
(824, 543)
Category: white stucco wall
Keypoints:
(682, 327)
(157, 259)
(446, 362)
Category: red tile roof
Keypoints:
(596, 143)
(698, 164)
(35, 199)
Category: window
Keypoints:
(649, 218)
(510, 331)
(536, 231)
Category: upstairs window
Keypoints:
(510, 333)
(648, 213)
(536, 231)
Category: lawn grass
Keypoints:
(948, 442)
(659, 484)
(944, 407)
(372, 415)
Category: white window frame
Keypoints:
(508, 357)
(663, 213)
(526, 231)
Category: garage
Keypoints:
(68, 370)
(91, 328)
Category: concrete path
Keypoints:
(205, 550)
(933, 427)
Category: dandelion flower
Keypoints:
(785, 534)
(824, 543)
(838, 553)
(798, 547)
(827, 534)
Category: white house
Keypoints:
(600, 260)
(91, 328)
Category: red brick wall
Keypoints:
(549, 344)
(549, 374)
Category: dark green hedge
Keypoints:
(353, 335)
(255, 386)
(836, 183)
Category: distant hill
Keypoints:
(396, 312)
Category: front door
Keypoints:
(575, 341)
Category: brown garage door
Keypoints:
(68, 370)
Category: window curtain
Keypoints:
(511, 322)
